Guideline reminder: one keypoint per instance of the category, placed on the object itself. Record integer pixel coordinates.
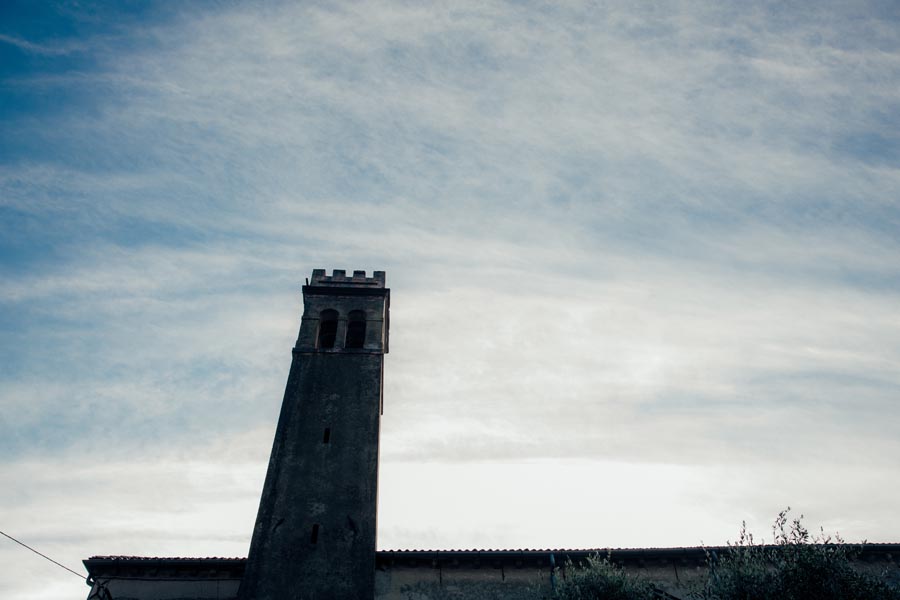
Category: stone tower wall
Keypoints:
(314, 536)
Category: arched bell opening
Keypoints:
(356, 329)
(328, 322)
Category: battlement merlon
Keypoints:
(339, 278)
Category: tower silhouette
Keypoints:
(314, 536)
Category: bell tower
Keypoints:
(314, 537)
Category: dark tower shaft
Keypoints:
(314, 537)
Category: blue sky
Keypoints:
(643, 261)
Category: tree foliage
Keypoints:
(599, 578)
(798, 566)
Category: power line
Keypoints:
(79, 575)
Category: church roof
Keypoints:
(414, 557)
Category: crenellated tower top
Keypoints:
(342, 313)
(338, 278)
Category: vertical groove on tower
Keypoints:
(314, 536)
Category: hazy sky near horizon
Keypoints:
(643, 260)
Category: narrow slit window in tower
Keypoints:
(314, 536)
(326, 437)
(327, 328)
(356, 329)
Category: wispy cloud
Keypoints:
(53, 49)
